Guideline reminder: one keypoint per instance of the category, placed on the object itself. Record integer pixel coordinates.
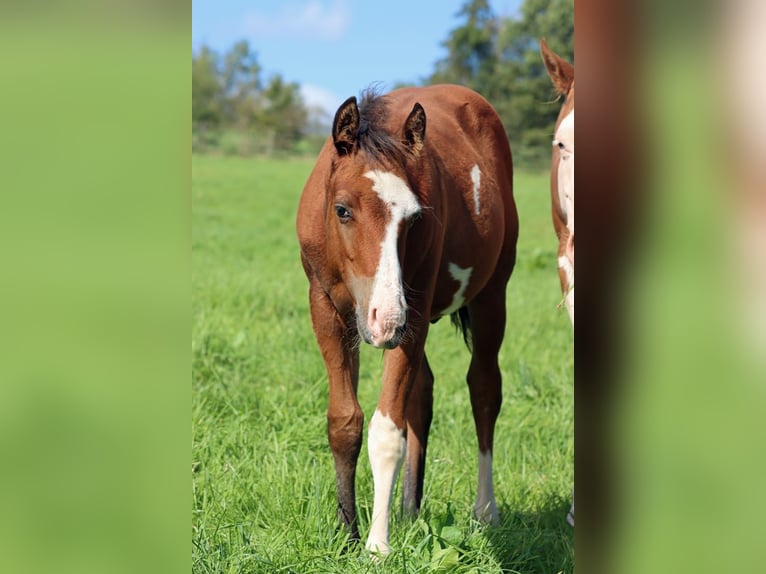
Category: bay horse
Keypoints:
(398, 226)
(561, 74)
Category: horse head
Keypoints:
(370, 206)
(561, 73)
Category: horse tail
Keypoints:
(462, 322)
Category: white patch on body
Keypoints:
(462, 276)
(566, 265)
(485, 509)
(564, 140)
(387, 297)
(386, 446)
(476, 179)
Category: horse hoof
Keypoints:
(487, 514)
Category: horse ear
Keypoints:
(345, 126)
(560, 71)
(415, 128)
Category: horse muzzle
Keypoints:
(384, 331)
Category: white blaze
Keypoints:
(387, 295)
(462, 276)
(476, 179)
(564, 140)
(485, 509)
(565, 137)
(386, 446)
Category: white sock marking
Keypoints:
(476, 179)
(386, 446)
(570, 514)
(462, 276)
(485, 509)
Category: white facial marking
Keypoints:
(485, 509)
(476, 179)
(387, 296)
(386, 446)
(566, 265)
(462, 276)
(564, 140)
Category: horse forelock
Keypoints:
(375, 138)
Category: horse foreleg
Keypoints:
(566, 275)
(344, 415)
(419, 414)
(387, 439)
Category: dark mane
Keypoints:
(380, 145)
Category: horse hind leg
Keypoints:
(487, 315)
(419, 414)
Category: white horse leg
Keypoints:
(485, 509)
(386, 446)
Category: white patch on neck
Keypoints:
(476, 179)
(565, 138)
(566, 265)
(386, 446)
(485, 509)
(387, 295)
(462, 276)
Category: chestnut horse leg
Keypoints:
(419, 413)
(566, 275)
(487, 314)
(387, 433)
(344, 415)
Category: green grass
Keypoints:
(263, 483)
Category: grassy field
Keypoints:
(263, 484)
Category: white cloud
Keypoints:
(311, 19)
(316, 96)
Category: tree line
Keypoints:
(235, 111)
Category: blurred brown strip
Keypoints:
(610, 197)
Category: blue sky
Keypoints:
(335, 48)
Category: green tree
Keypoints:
(241, 81)
(207, 97)
(284, 114)
(500, 58)
(230, 103)
(470, 59)
(525, 97)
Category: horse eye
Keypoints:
(343, 214)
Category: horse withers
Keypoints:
(408, 216)
(561, 73)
